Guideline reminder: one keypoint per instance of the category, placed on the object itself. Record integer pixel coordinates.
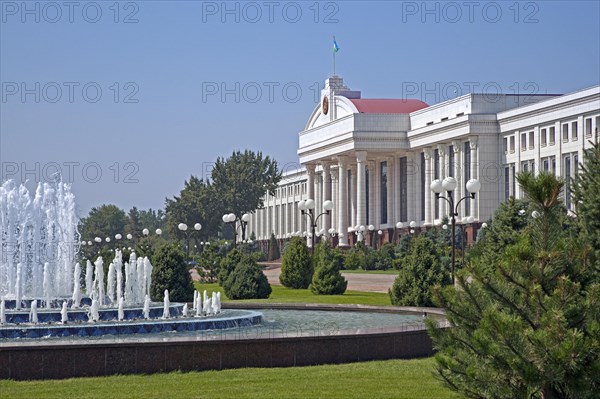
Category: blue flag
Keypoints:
(336, 48)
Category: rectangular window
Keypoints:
(588, 127)
(383, 192)
(451, 161)
(523, 141)
(553, 161)
(367, 193)
(513, 186)
(460, 114)
(552, 134)
(565, 132)
(543, 137)
(467, 173)
(567, 177)
(531, 139)
(512, 143)
(546, 165)
(444, 119)
(574, 131)
(404, 189)
(424, 186)
(576, 164)
(505, 145)
(525, 166)
(506, 183)
(436, 175)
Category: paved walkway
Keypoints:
(356, 281)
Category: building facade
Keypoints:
(375, 159)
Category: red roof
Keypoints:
(387, 106)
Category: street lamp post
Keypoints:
(184, 228)
(399, 226)
(449, 185)
(307, 207)
(371, 228)
(231, 218)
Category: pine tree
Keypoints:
(586, 190)
(327, 279)
(170, 272)
(421, 270)
(247, 281)
(273, 249)
(524, 320)
(296, 265)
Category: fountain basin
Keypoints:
(225, 320)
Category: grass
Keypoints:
(401, 379)
(282, 294)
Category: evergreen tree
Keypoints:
(296, 265)
(228, 264)
(273, 249)
(525, 317)
(247, 281)
(586, 190)
(170, 272)
(327, 279)
(421, 270)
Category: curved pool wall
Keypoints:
(77, 358)
(156, 325)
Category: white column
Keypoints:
(343, 201)
(428, 178)
(460, 185)
(474, 175)
(327, 194)
(334, 198)
(372, 196)
(442, 162)
(396, 195)
(411, 187)
(361, 200)
(353, 194)
(310, 181)
(390, 191)
(376, 176)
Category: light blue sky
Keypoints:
(178, 51)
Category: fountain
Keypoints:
(40, 280)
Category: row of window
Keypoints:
(291, 190)
(570, 171)
(569, 131)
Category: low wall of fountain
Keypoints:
(206, 352)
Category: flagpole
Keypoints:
(334, 57)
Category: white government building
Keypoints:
(375, 159)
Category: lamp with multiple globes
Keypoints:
(449, 185)
(307, 207)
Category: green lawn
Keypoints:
(287, 295)
(400, 379)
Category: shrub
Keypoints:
(296, 265)
(209, 263)
(327, 279)
(228, 264)
(421, 270)
(247, 281)
(170, 272)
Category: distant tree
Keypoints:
(209, 263)
(296, 265)
(421, 270)
(104, 221)
(243, 179)
(273, 253)
(196, 203)
(525, 319)
(327, 279)
(170, 272)
(247, 281)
